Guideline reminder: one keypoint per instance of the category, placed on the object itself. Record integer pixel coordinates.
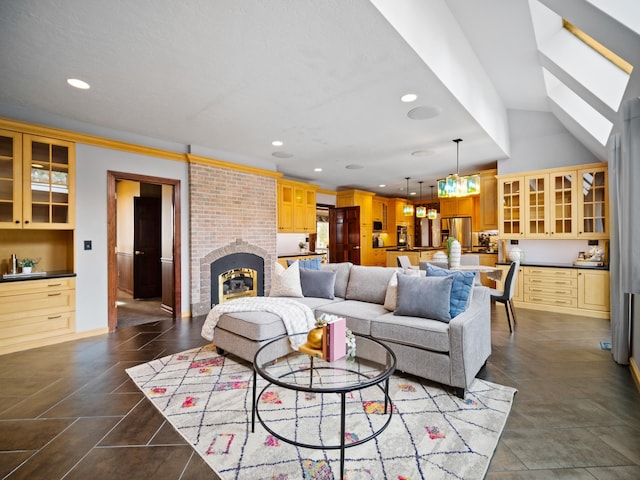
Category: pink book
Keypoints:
(337, 339)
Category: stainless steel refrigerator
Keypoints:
(458, 228)
(430, 232)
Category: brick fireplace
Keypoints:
(232, 211)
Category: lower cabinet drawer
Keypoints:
(552, 290)
(543, 299)
(35, 304)
(16, 331)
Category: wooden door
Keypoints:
(344, 235)
(147, 278)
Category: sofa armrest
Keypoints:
(470, 337)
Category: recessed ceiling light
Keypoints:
(424, 112)
(412, 193)
(382, 185)
(77, 83)
(317, 169)
(282, 154)
(409, 97)
(277, 143)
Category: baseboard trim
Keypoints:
(44, 342)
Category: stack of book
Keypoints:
(334, 342)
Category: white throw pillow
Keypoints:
(286, 282)
(391, 298)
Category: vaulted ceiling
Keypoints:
(225, 78)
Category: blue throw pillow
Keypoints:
(460, 290)
(311, 264)
(317, 283)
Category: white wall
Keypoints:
(92, 164)
(539, 141)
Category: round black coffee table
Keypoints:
(371, 367)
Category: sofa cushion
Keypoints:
(316, 283)
(369, 284)
(413, 331)
(342, 270)
(426, 297)
(460, 290)
(311, 264)
(286, 282)
(358, 314)
(256, 326)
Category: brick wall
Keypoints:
(231, 212)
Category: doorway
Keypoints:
(154, 217)
(344, 234)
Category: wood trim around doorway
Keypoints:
(112, 265)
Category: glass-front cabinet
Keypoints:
(556, 203)
(511, 204)
(36, 182)
(593, 206)
(10, 179)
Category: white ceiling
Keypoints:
(224, 78)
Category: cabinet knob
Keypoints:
(17, 221)
(26, 221)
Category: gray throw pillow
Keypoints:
(317, 283)
(426, 297)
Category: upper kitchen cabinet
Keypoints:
(380, 209)
(457, 207)
(37, 182)
(510, 207)
(10, 179)
(593, 205)
(296, 207)
(554, 204)
(488, 202)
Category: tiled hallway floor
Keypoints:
(70, 411)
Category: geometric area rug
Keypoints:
(432, 434)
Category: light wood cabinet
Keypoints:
(593, 290)
(510, 207)
(577, 291)
(33, 312)
(554, 204)
(593, 205)
(488, 201)
(296, 207)
(457, 207)
(380, 209)
(37, 182)
(551, 286)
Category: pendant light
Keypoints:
(432, 214)
(455, 185)
(421, 211)
(408, 209)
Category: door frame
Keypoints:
(112, 263)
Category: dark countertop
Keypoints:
(555, 265)
(48, 275)
(301, 254)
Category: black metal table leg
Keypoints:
(253, 405)
(343, 411)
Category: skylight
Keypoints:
(618, 61)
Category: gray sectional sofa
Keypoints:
(448, 353)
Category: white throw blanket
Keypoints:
(297, 317)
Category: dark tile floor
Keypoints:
(70, 411)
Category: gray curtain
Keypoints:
(624, 247)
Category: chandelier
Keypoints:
(421, 211)
(455, 185)
(432, 214)
(408, 209)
